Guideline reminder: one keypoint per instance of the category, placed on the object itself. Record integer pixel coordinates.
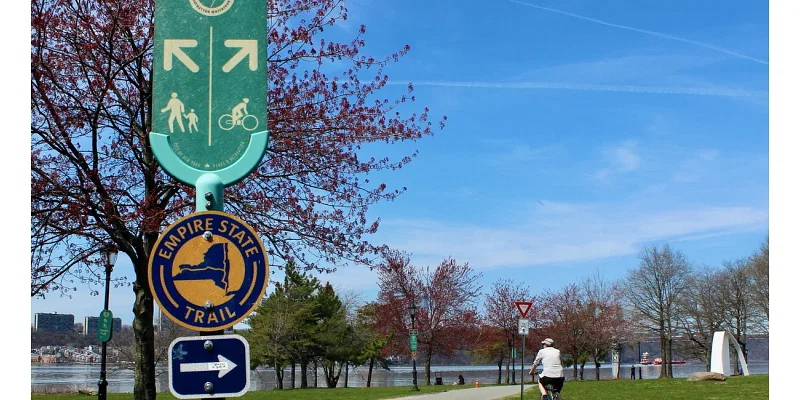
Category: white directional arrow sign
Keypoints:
(249, 48)
(172, 47)
(223, 366)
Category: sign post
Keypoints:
(209, 270)
(524, 324)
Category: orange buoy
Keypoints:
(476, 383)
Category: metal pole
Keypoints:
(513, 358)
(522, 371)
(209, 191)
(414, 363)
(103, 383)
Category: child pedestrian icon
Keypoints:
(175, 108)
(192, 117)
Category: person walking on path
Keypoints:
(633, 372)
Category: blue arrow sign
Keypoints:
(208, 367)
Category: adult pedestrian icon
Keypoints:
(175, 108)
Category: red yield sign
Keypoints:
(523, 307)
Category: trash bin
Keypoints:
(438, 376)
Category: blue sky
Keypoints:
(578, 131)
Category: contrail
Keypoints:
(591, 87)
(653, 33)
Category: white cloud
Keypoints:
(621, 158)
(563, 232)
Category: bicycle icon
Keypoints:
(248, 122)
(238, 116)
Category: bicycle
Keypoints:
(551, 395)
(248, 122)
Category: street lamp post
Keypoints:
(110, 257)
(513, 358)
(412, 311)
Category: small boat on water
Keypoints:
(659, 361)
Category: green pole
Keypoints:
(522, 371)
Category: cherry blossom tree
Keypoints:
(95, 183)
(446, 317)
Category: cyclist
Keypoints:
(549, 358)
(239, 111)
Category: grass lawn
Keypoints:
(374, 393)
(735, 388)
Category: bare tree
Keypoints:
(759, 271)
(701, 313)
(741, 312)
(653, 290)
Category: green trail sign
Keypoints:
(210, 85)
(105, 326)
(413, 338)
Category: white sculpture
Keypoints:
(720, 359)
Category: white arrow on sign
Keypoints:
(172, 47)
(248, 48)
(223, 366)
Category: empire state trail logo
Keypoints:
(208, 271)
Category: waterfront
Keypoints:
(55, 378)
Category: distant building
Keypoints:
(90, 325)
(43, 322)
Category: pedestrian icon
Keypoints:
(239, 116)
(175, 108)
(192, 117)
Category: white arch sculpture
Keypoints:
(720, 359)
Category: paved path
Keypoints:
(484, 393)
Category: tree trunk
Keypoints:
(144, 385)
(428, 368)
(597, 369)
(346, 372)
(294, 365)
(663, 339)
(583, 363)
(303, 373)
(369, 374)
(499, 371)
(508, 374)
(574, 369)
(278, 376)
(668, 360)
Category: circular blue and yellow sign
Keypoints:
(208, 271)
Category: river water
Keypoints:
(69, 378)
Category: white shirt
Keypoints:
(550, 360)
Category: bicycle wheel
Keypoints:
(249, 122)
(226, 122)
(555, 396)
